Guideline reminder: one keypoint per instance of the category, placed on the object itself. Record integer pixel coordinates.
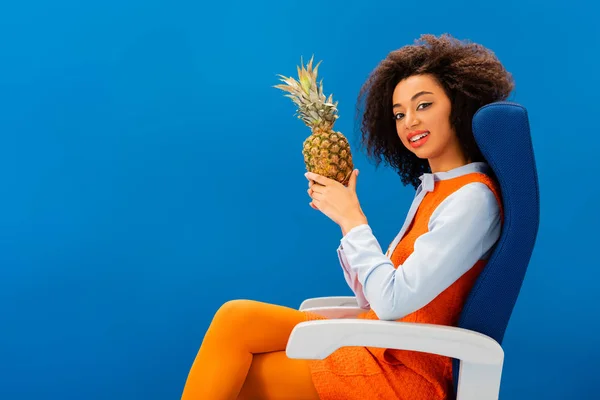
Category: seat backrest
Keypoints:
(502, 132)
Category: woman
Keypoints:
(419, 104)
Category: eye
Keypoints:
(399, 116)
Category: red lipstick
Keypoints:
(419, 142)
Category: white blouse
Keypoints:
(462, 230)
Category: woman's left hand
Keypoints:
(338, 202)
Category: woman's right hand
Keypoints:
(310, 184)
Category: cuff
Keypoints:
(357, 230)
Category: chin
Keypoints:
(422, 154)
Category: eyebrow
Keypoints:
(413, 98)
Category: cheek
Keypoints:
(442, 120)
(400, 133)
(442, 126)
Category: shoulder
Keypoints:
(473, 198)
(474, 191)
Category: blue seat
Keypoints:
(502, 133)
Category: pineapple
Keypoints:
(326, 152)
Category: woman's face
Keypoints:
(421, 111)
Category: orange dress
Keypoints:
(374, 373)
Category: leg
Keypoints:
(274, 376)
(239, 329)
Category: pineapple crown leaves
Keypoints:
(313, 108)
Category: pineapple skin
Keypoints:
(326, 152)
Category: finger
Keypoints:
(316, 188)
(318, 178)
(352, 180)
(316, 195)
(313, 183)
(313, 205)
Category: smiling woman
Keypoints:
(420, 101)
(461, 77)
(425, 112)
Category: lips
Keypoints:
(419, 142)
(415, 133)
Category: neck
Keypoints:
(453, 158)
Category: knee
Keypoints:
(235, 314)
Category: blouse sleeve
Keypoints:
(462, 229)
(352, 279)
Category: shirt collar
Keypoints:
(428, 179)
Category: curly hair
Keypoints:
(471, 76)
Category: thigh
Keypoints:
(258, 327)
(274, 376)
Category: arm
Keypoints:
(461, 230)
(352, 280)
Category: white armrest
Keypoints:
(334, 301)
(481, 357)
(336, 312)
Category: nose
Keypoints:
(410, 121)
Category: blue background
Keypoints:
(150, 173)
